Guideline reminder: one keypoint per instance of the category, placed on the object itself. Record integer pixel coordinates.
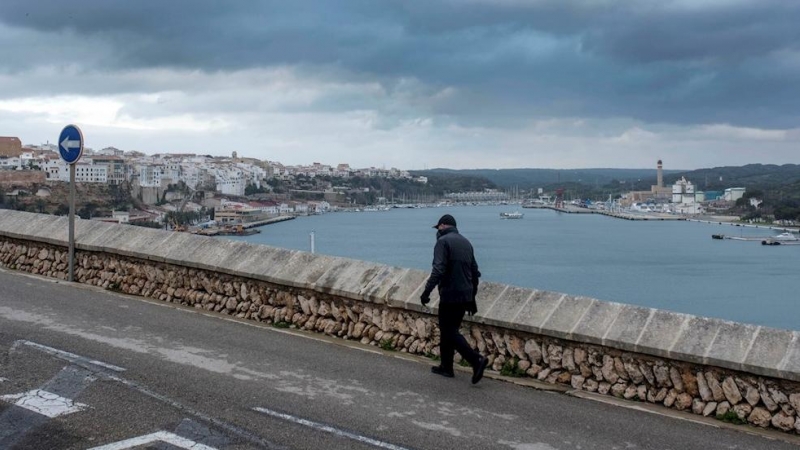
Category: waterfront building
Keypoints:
(733, 194)
(234, 213)
(657, 193)
(683, 191)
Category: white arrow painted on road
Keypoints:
(67, 144)
(161, 436)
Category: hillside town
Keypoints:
(164, 183)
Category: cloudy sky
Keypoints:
(412, 84)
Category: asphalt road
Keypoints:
(83, 368)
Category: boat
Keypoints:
(768, 240)
(781, 239)
(511, 215)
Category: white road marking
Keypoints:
(329, 429)
(161, 436)
(44, 403)
(71, 357)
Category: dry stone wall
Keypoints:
(377, 305)
(706, 391)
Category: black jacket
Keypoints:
(455, 270)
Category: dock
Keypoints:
(260, 223)
(246, 229)
(569, 209)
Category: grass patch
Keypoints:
(464, 363)
(281, 324)
(386, 344)
(114, 287)
(511, 369)
(731, 417)
(433, 356)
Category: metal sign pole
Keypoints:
(72, 222)
(70, 147)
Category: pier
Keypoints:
(569, 209)
(242, 229)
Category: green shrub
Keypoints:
(731, 417)
(386, 344)
(511, 369)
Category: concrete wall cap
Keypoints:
(507, 306)
(629, 325)
(537, 310)
(595, 323)
(697, 335)
(377, 290)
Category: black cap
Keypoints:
(446, 219)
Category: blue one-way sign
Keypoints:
(70, 144)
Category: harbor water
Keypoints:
(673, 265)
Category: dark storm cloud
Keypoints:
(657, 61)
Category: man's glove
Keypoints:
(425, 298)
(472, 308)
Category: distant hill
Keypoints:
(752, 176)
(766, 177)
(542, 178)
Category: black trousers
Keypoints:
(450, 317)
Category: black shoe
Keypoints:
(477, 371)
(438, 370)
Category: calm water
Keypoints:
(666, 265)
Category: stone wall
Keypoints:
(577, 342)
(21, 178)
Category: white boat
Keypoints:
(511, 215)
(787, 236)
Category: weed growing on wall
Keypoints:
(511, 369)
(731, 417)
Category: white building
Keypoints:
(121, 216)
(149, 175)
(252, 173)
(683, 192)
(111, 151)
(90, 173)
(688, 208)
(318, 207)
(230, 181)
(10, 163)
(56, 169)
(733, 194)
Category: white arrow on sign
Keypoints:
(67, 144)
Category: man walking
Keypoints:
(456, 273)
